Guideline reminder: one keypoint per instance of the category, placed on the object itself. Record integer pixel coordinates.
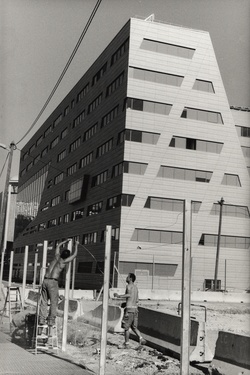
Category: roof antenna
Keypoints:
(150, 18)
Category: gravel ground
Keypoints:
(144, 360)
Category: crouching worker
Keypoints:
(50, 287)
(130, 318)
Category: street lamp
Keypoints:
(4, 207)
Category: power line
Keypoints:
(64, 70)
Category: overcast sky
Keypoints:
(38, 36)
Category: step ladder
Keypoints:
(13, 302)
(44, 336)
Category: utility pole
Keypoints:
(186, 288)
(221, 202)
(3, 210)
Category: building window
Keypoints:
(94, 209)
(25, 155)
(55, 201)
(75, 191)
(195, 207)
(203, 85)
(66, 218)
(61, 156)
(73, 103)
(66, 111)
(90, 132)
(86, 160)
(77, 214)
(184, 174)
(196, 144)
(100, 178)
(134, 168)
(58, 120)
(41, 226)
(83, 92)
(89, 238)
(48, 131)
(168, 49)
(225, 241)
(231, 179)
(202, 115)
(104, 148)
(79, 119)
(99, 74)
(84, 267)
(29, 166)
(51, 223)
(58, 178)
(32, 148)
(154, 76)
(44, 151)
(157, 236)
(54, 142)
(148, 106)
(115, 84)
(64, 133)
(110, 116)
(243, 131)
(36, 159)
(120, 200)
(74, 145)
(117, 170)
(96, 102)
(72, 169)
(120, 52)
(59, 220)
(246, 151)
(230, 210)
(138, 136)
(40, 139)
(115, 234)
(165, 204)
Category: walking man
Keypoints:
(50, 287)
(130, 319)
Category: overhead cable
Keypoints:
(64, 70)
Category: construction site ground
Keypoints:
(84, 341)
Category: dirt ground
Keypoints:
(84, 341)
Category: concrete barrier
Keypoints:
(232, 353)
(196, 296)
(115, 314)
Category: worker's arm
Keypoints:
(59, 245)
(125, 295)
(71, 257)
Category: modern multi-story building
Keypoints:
(147, 127)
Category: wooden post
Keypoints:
(43, 270)
(66, 302)
(35, 269)
(25, 264)
(153, 272)
(105, 300)
(221, 202)
(186, 289)
(114, 267)
(11, 266)
(73, 276)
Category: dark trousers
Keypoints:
(49, 292)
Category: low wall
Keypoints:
(94, 317)
(196, 296)
(232, 349)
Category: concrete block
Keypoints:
(232, 349)
(115, 314)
